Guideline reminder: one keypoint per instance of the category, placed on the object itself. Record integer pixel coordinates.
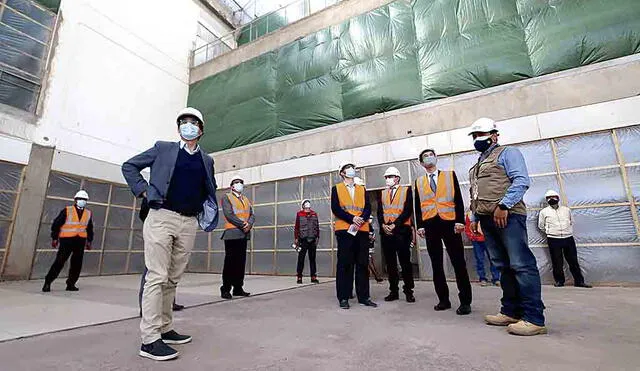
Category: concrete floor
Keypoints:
(303, 329)
(26, 311)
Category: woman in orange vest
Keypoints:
(239, 219)
(71, 233)
(440, 217)
(351, 210)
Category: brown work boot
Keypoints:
(524, 328)
(499, 319)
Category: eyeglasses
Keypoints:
(189, 121)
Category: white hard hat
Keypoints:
(190, 111)
(358, 181)
(392, 171)
(236, 177)
(551, 193)
(483, 125)
(345, 164)
(82, 194)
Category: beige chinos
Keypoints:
(168, 241)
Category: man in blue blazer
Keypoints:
(181, 194)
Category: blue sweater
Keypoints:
(187, 190)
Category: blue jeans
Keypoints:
(509, 251)
(480, 251)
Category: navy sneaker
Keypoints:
(158, 351)
(172, 337)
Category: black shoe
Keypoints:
(583, 285)
(379, 280)
(410, 298)
(559, 284)
(368, 303)
(173, 337)
(158, 351)
(442, 306)
(240, 293)
(299, 281)
(72, 288)
(314, 280)
(463, 309)
(344, 304)
(177, 307)
(46, 287)
(225, 294)
(392, 296)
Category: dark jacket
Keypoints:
(457, 199)
(59, 221)
(310, 220)
(161, 158)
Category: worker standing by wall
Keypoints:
(71, 233)
(306, 235)
(556, 222)
(239, 219)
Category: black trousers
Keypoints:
(353, 252)
(397, 247)
(437, 231)
(69, 247)
(558, 246)
(235, 259)
(307, 246)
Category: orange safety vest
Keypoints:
(74, 226)
(242, 209)
(442, 203)
(353, 207)
(391, 209)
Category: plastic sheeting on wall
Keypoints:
(403, 54)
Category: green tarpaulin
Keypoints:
(407, 53)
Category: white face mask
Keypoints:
(238, 187)
(430, 160)
(350, 172)
(81, 204)
(390, 182)
(306, 206)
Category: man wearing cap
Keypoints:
(499, 181)
(351, 209)
(239, 219)
(181, 194)
(71, 233)
(440, 217)
(394, 217)
(556, 222)
(306, 234)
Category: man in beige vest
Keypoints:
(498, 183)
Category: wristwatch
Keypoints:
(503, 207)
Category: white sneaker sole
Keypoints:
(158, 358)
(178, 342)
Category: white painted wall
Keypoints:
(119, 76)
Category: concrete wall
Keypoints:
(584, 119)
(118, 76)
(330, 16)
(592, 84)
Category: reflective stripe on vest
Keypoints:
(242, 209)
(353, 207)
(391, 209)
(442, 203)
(75, 226)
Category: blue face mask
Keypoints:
(81, 204)
(189, 131)
(350, 173)
(482, 143)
